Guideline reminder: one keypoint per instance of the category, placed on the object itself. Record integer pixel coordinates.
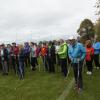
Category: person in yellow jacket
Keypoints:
(63, 57)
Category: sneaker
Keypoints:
(98, 68)
(75, 86)
(90, 73)
(66, 77)
(87, 72)
(80, 90)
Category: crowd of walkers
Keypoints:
(53, 53)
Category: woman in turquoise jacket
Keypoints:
(77, 54)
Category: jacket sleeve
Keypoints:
(83, 51)
(92, 52)
(96, 47)
(63, 51)
(69, 54)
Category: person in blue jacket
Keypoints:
(96, 46)
(77, 54)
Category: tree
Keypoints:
(86, 30)
(97, 25)
(97, 29)
(98, 7)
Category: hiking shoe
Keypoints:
(90, 73)
(87, 72)
(75, 86)
(98, 68)
(80, 90)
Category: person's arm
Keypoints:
(92, 52)
(70, 54)
(96, 47)
(83, 50)
(63, 51)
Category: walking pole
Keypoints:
(84, 63)
(69, 68)
(78, 75)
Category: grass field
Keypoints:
(46, 86)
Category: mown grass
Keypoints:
(40, 85)
(91, 88)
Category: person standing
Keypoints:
(44, 56)
(62, 52)
(33, 56)
(15, 62)
(9, 48)
(21, 61)
(0, 58)
(77, 54)
(96, 46)
(27, 54)
(51, 57)
(4, 59)
(57, 56)
(37, 54)
(89, 56)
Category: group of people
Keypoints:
(53, 53)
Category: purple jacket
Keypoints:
(26, 49)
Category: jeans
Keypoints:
(21, 69)
(4, 67)
(44, 59)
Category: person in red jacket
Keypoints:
(15, 53)
(89, 56)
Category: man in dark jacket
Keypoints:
(51, 56)
(4, 58)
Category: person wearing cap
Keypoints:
(62, 52)
(77, 54)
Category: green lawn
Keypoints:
(45, 86)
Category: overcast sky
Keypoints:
(22, 20)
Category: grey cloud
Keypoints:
(42, 18)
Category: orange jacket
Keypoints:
(43, 51)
